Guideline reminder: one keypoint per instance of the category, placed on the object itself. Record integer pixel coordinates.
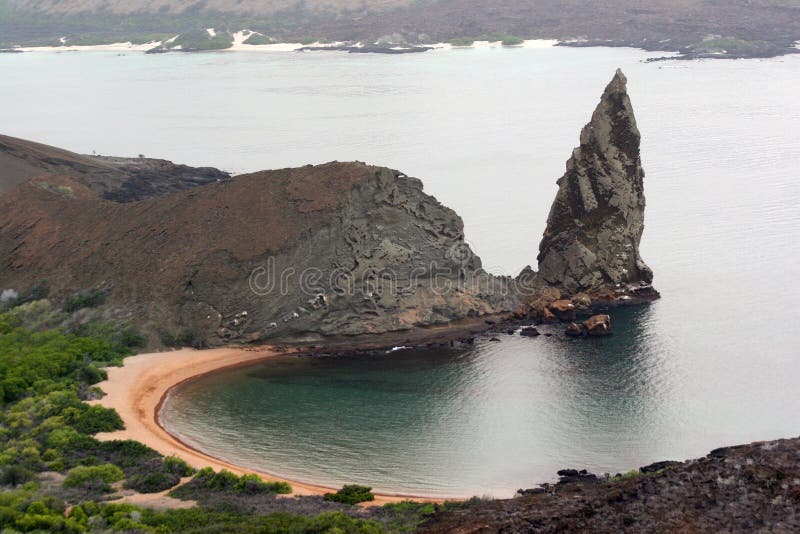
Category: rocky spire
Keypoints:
(596, 221)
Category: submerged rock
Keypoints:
(529, 331)
(596, 221)
(575, 330)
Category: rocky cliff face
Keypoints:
(592, 238)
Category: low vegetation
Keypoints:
(462, 42)
(352, 494)
(84, 299)
(258, 39)
(503, 38)
(197, 41)
(55, 476)
(736, 47)
(225, 481)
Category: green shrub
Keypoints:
(227, 482)
(152, 482)
(93, 477)
(253, 485)
(84, 299)
(462, 41)
(351, 494)
(14, 475)
(258, 39)
(222, 481)
(512, 40)
(199, 40)
(98, 419)
(176, 466)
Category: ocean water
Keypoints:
(715, 362)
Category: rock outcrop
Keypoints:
(746, 488)
(592, 238)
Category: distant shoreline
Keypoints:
(239, 46)
(138, 390)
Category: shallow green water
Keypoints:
(715, 362)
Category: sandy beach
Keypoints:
(138, 389)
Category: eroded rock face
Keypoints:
(596, 221)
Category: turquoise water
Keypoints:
(715, 362)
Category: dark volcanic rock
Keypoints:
(657, 466)
(529, 331)
(563, 309)
(598, 325)
(749, 488)
(575, 330)
(596, 221)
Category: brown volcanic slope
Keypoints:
(21, 160)
(118, 179)
(180, 262)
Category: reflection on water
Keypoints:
(448, 422)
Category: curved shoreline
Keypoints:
(139, 388)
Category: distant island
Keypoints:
(694, 29)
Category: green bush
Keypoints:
(252, 485)
(93, 477)
(227, 482)
(152, 482)
(84, 299)
(222, 481)
(258, 39)
(462, 41)
(512, 40)
(199, 40)
(98, 419)
(351, 494)
(15, 475)
(176, 466)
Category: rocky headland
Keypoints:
(746, 488)
(340, 253)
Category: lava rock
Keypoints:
(595, 224)
(657, 466)
(598, 325)
(574, 330)
(529, 331)
(563, 309)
